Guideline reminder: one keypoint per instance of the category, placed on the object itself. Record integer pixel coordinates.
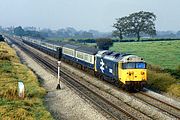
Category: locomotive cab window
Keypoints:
(141, 65)
(134, 65)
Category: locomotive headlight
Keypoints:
(142, 73)
(130, 72)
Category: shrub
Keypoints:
(174, 90)
(156, 68)
(104, 43)
(160, 81)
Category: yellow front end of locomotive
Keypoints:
(132, 75)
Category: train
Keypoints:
(127, 70)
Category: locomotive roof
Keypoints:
(88, 50)
(132, 58)
(110, 55)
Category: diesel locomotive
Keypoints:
(125, 69)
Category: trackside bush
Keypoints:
(160, 80)
(174, 90)
(164, 82)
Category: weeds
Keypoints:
(160, 80)
(11, 106)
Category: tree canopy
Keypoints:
(135, 24)
(104, 43)
(19, 31)
(120, 26)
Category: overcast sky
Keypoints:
(85, 14)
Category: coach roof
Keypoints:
(71, 46)
(56, 43)
(89, 50)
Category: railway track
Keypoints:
(160, 104)
(163, 106)
(112, 110)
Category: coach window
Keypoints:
(70, 52)
(86, 57)
(67, 51)
(79, 55)
(90, 58)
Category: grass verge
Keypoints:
(11, 106)
(160, 80)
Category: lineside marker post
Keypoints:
(59, 76)
(21, 89)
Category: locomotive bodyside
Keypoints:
(129, 70)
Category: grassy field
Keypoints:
(165, 53)
(11, 106)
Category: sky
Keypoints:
(86, 14)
